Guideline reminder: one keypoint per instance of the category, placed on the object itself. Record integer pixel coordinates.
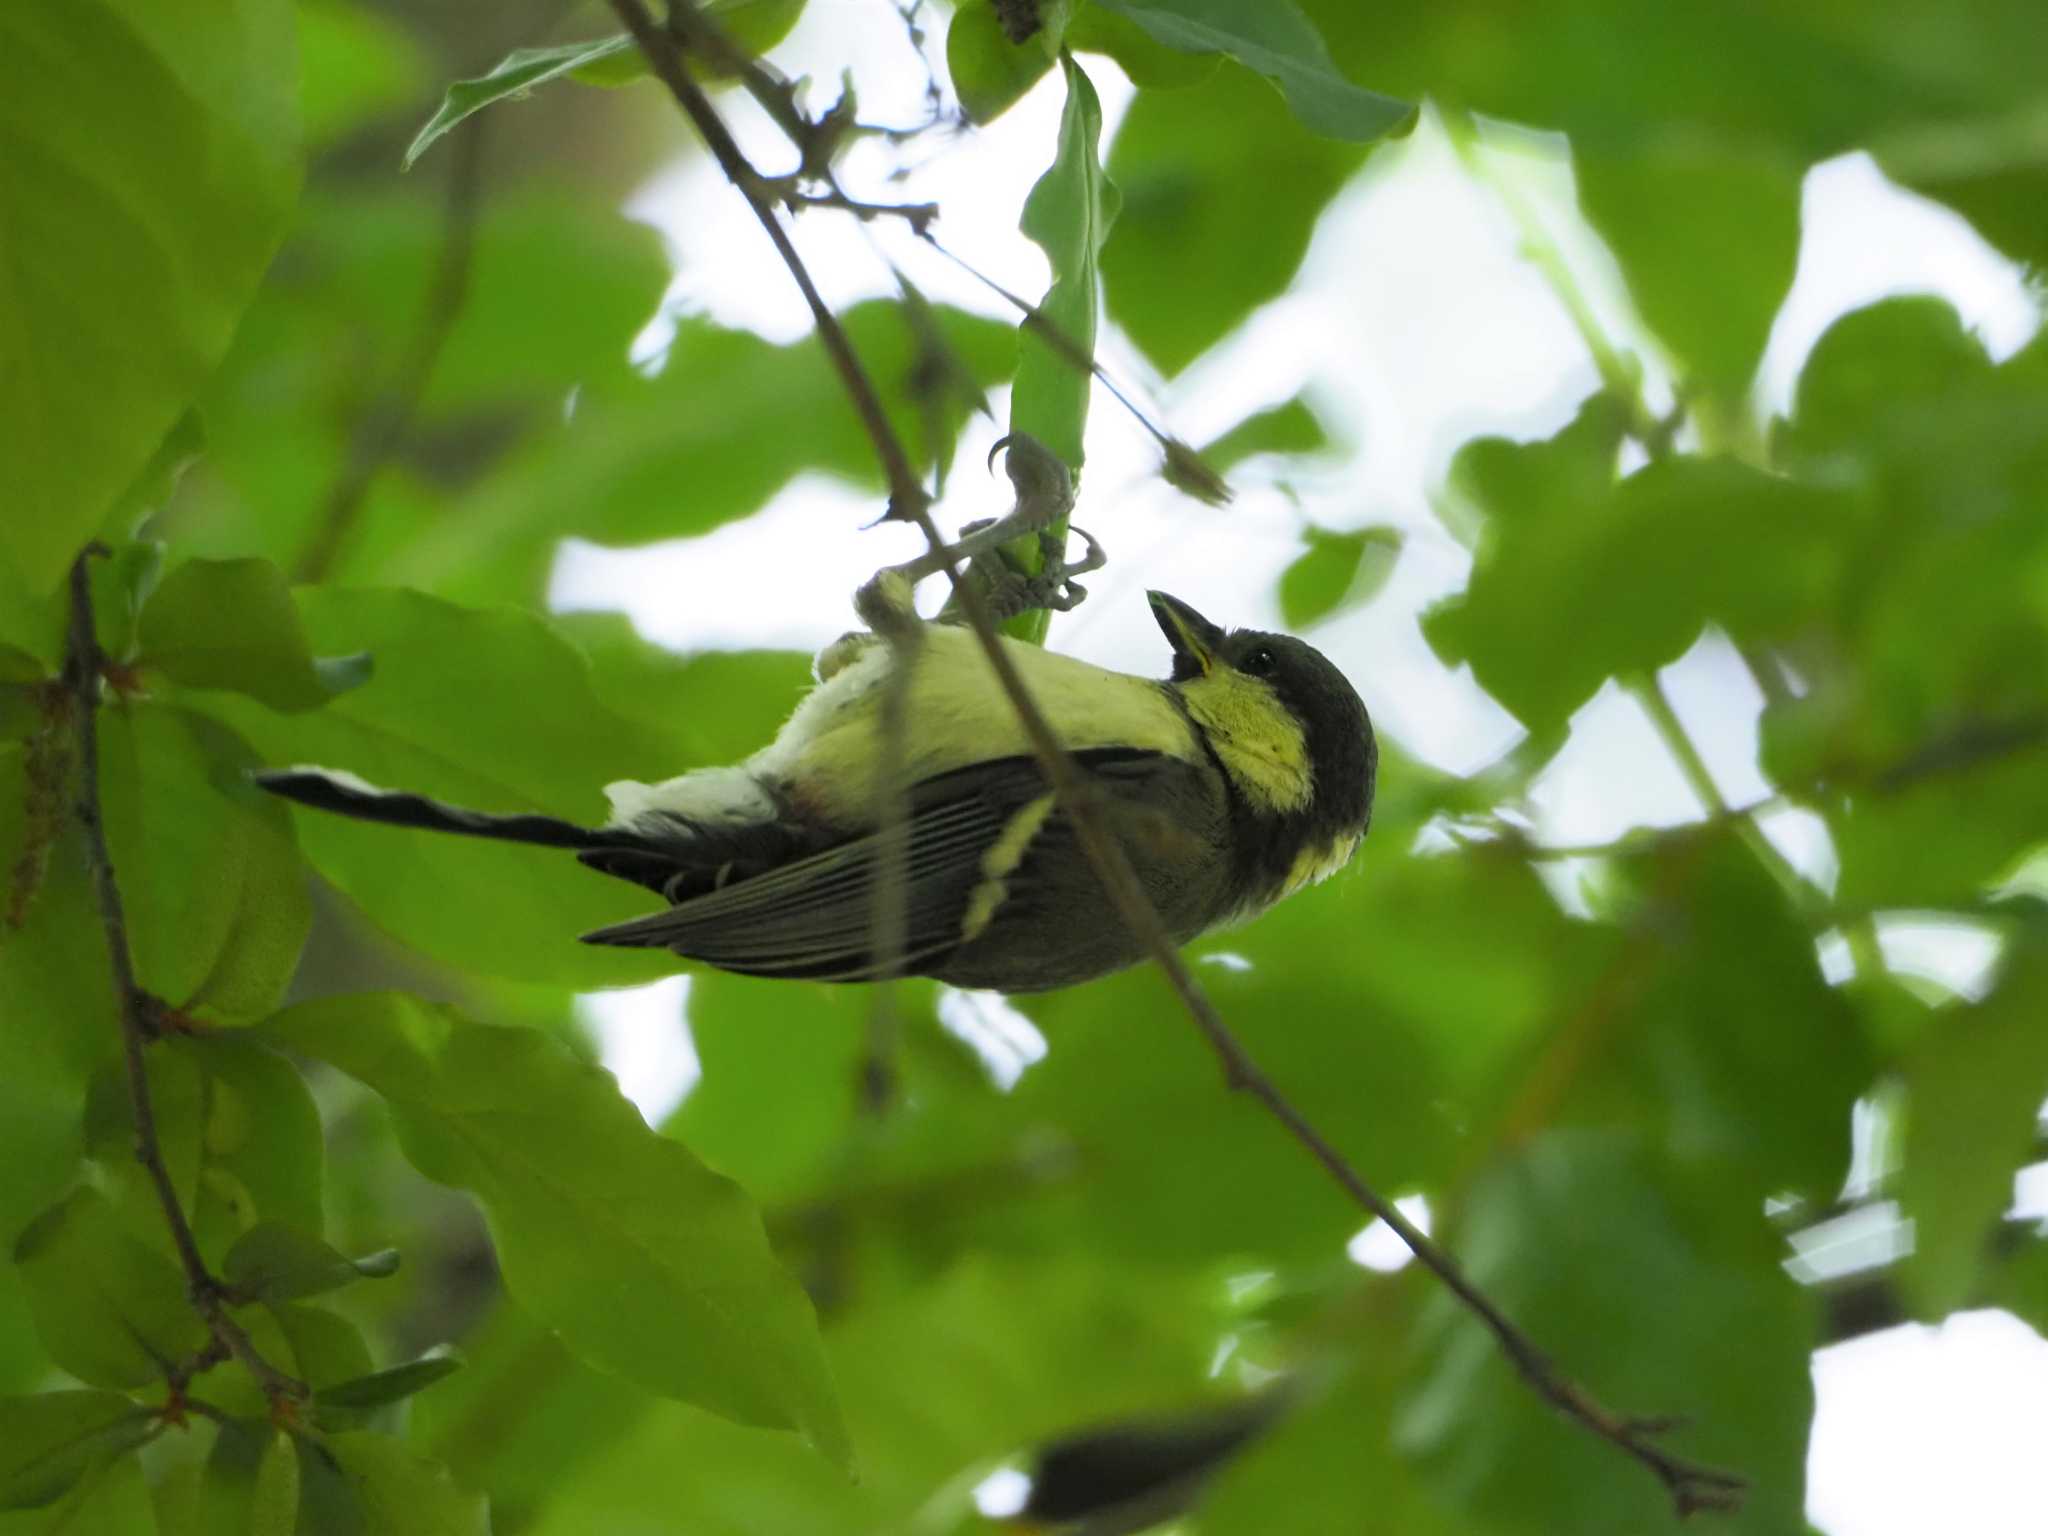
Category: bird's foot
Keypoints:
(1045, 495)
(1010, 592)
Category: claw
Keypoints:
(1094, 560)
(1045, 494)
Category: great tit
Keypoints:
(1245, 776)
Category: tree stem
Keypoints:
(82, 665)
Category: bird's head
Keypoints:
(1287, 726)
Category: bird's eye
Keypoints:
(1259, 662)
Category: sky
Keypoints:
(1406, 346)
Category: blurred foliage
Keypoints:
(336, 421)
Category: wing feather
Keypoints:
(813, 916)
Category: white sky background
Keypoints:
(1414, 325)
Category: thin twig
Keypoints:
(82, 665)
(1648, 690)
(1693, 1487)
(385, 426)
(919, 216)
(934, 95)
(906, 495)
(1185, 468)
(1041, 325)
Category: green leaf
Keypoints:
(1999, 189)
(1929, 828)
(1707, 234)
(1274, 38)
(559, 283)
(1068, 215)
(110, 1310)
(232, 624)
(777, 411)
(349, 1404)
(515, 76)
(216, 898)
(274, 1501)
(177, 1095)
(58, 1024)
(718, 706)
(384, 1485)
(355, 66)
(34, 625)
(225, 1497)
(805, 1062)
(262, 1149)
(324, 1347)
(110, 1500)
(692, 1304)
(275, 1262)
(1284, 429)
(156, 483)
(48, 1441)
(952, 1374)
(147, 164)
(1974, 1086)
(1336, 570)
(238, 1133)
(1221, 169)
(754, 25)
(121, 585)
(1151, 65)
(1611, 72)
(1457, 962)
(568, 1414)
(451, 714)
(1923, 710)
(1636, 1281)
(990, 73)
(1724, 1035)
(1332, 1457)
(1642, 566)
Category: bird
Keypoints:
(1242, 777)
(1120, 1478)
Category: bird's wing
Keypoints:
(813, 917)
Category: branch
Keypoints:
(906, 495)
(82, 665)
(384, 427)
(1805, 897)
(1185, 469)
(918, 216)
(1693, 1487)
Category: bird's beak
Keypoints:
(1190, 635)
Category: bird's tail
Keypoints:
(326, 790)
